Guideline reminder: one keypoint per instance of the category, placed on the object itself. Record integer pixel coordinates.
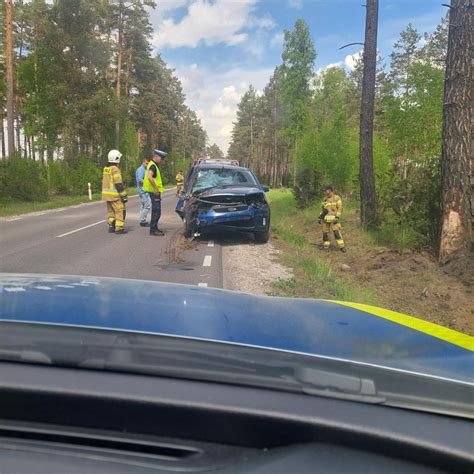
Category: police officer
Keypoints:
(330, 216)
(114, 193)
(153, 185)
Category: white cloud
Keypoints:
(351, 59)
(215, 96)
(329, 66)
(298, 4)
(211, 23)
(277, 39)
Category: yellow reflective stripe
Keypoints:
(454, 337)
(112, 193)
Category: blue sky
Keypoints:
(219, 47)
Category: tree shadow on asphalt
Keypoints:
(226, 239)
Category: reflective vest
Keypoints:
(333, 205)
(111, 176)
(147, 186)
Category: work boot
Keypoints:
(144, 224)
(111, 229)
(121, 231)
(157, 232)
(343, 249)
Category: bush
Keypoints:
(399, 235)
(22, 179)
(60, 178)
(85, 172)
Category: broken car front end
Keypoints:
(239, 209)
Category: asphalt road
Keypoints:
(75, 241)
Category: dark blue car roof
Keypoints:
(331, 329)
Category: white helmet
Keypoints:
(114, 156)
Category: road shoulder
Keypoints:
(252, 268)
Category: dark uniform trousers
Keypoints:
(155, 211)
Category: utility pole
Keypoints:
(456, 154)
(9, 61)
(368, 210)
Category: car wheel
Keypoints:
(262, 237)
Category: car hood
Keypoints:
(330, 329)
(231, 191)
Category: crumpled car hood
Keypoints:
(298, 325)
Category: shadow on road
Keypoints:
(227, 239)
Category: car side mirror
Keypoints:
(265, 189)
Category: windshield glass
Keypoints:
(215, 177)
(294, 176)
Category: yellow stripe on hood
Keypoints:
(454, 337)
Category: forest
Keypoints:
(86, 80)
(302, 130)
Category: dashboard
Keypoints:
(59, 420)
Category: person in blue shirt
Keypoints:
(144, 196)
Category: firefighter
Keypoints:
(330, 216)
(179, 183)
(114, 193)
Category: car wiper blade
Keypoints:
(203, 365)
(322, 382)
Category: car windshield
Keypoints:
(292, 176)
(216, 177)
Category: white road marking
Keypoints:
(13, 219)
(207, 261)
(203, 285)
(14, 289)
(81, 228)
(210, 243)
(40, 287)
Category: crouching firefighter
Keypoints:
(114, 193)
(329, 218)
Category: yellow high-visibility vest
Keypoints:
(147, 186)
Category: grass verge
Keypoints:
(12, 207)
(314, 272)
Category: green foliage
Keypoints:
(214, 152)
(328, 152)
(22, 179)
(310, 134)
(397, 235)
(68, 99)
(71, 179)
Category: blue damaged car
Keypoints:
(224, 197)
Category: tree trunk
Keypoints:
(9, 61)
(2, 133)
(456, 218)
(118, 84)
(17, 127)
(128, 72)
(367, 179)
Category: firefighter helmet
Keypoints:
(114, 156)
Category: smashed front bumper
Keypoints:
(250, 220)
